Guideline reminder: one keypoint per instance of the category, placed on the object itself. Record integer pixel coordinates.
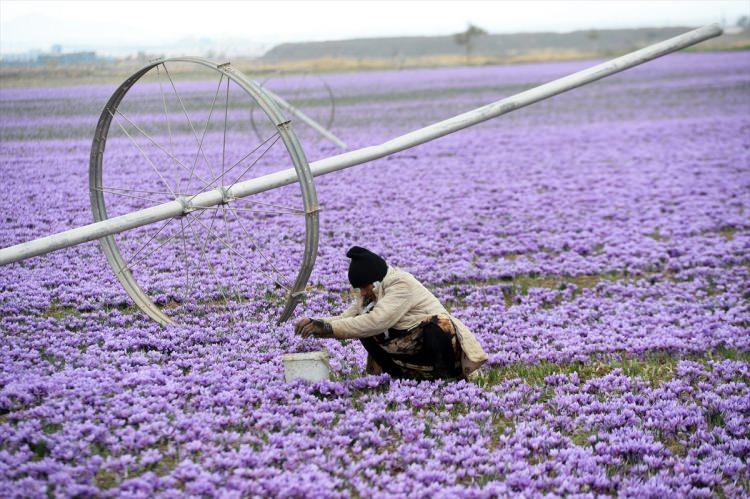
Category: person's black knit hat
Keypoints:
(366, 267)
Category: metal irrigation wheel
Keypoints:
(172, 131)
(308, 92)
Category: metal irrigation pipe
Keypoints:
(339, 162)
(305, 119)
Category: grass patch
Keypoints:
(337, 376)
(99, 449)
(656, 235)
(514, 286)
(502, 425)
(723, 353)
(715, 418)
(58, 311)
(40, 449)
(105, 479)
(51, 428)
(674, 447)
(534, 374)
(57, 362)
(728, 233)
(582, 281)
(123, 308)
(654, 367)
(581, 437)
(520, 285)
(166, 465)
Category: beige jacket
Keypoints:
(402, 303)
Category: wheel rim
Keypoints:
(320, 91)
(159, 187)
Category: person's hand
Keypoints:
(318, 328)
(300, 324)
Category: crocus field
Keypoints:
(596, 243)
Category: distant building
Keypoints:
(54, 57)
(26, 58)
(69, 58)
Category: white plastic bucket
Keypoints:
(311, 366)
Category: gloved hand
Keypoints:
(318, 328)
(300, 324)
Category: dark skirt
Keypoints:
(429, 350)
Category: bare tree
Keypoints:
(466, 39)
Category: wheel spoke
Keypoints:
(127, 195)
(203, 135)
(208, 262)
(169, 239)
(281, 207)
(143, 246)
(186, 260)
(108, 188)
(255, 243)
(143, 153)
(255, 162)
(210, 184)
(233, 268)
(202, 249)
(224, 145)
(190, 123)
(159, 146)
(230, 248)
(166, 118)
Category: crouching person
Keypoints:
(406, 331)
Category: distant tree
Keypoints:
(398, 59)
(466, 39)
(744, 22)
(593, 35)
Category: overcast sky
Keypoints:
(112, 26)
